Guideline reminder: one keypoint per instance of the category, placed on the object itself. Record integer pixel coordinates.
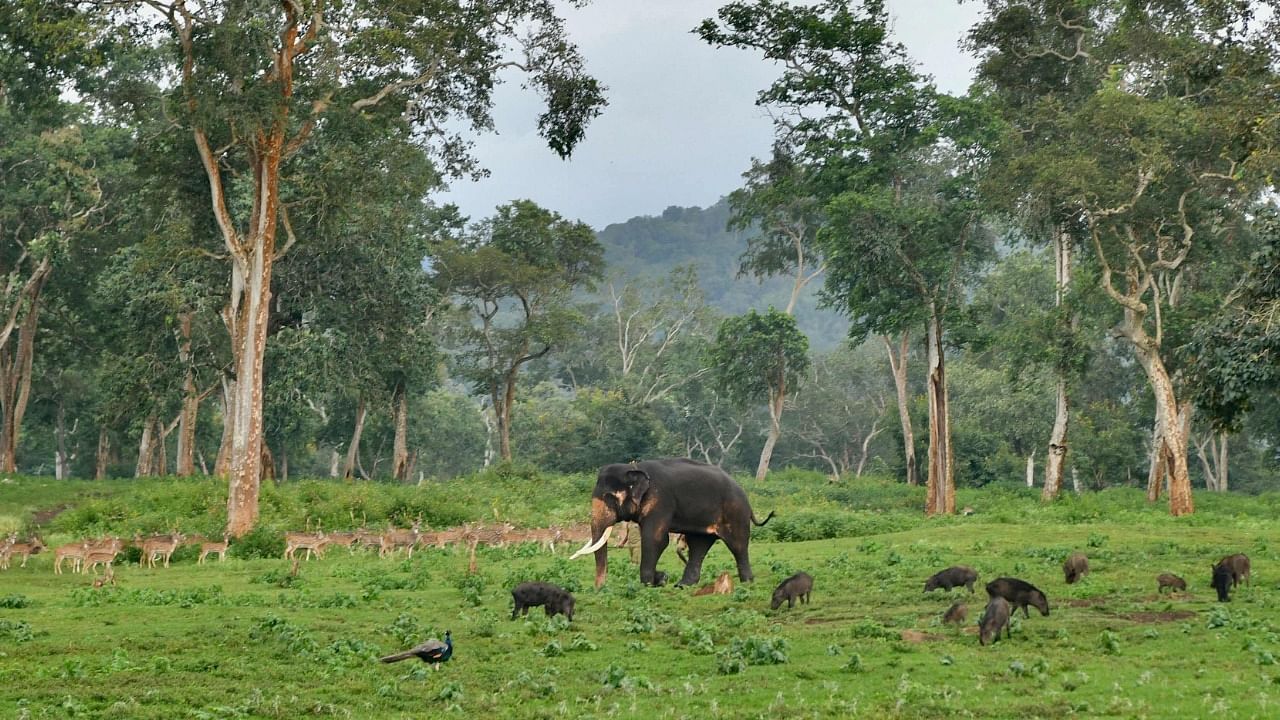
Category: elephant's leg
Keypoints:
(698, 547)
(653, 540)
(738, 546)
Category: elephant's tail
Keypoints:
(762, 523)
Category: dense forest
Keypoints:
(220, 253)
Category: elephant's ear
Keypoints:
(637, 484)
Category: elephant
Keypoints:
(671, 495)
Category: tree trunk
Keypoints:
(1171, 446)
(246, 440)
(1056, 458)
(146, 450)
(103, 456)
(160, 459)
(353, 450)
(284, 463)
(940, 492)
(1221, 461)
(62, 462)
(898, 364)
(185, 460)
(776, 398)
(502, 413)
(15, 377)
(400, 447)
(1031, 469)
(222, 464)
(16, 362)
(335, 464)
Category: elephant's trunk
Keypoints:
(602, 522)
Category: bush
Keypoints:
(261, 542)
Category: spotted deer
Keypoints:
(294, 542)
(159, 546)
(214, 548)
(393, 540)
(103, 552)
(74, 552)
(25, 549)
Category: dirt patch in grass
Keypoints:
(825, 620)
(1086, 602)
(43, 516)
(915, 636)
(1156, 617)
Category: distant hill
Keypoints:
(650, 246)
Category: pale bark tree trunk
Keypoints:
(222, 464)
(1171, 445)
(103, 455)
(284, 464)
(62, 463)
(353, 450)
(185, 459)
(489, 430)
(898, 364)
(1162, 278)
(1075, 480)
(335, 464)
(146, 449)
(776, 398)
(400, 447)
(940, 492)
(1212, 451)
(1031, 469)
(1056, 458)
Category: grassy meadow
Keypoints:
(245, 639)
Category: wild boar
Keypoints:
(1222, 582)
(1171, 581)
(1075, 567)
(1020, 594)
(554, 599)
(956, 613)
(954, 576)
(1238, 564)
(995, 617)
(796, 586)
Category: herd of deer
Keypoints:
(469, 535)
(87, 555)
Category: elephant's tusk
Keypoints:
(591, 547)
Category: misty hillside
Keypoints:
(653, 245)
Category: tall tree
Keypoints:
(779, 205)
(256, 82)
(900, 237)
(761, 356)
(513, 276)
(1153, 148)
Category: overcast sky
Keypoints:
(681, 125)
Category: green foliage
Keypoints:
(759, 356)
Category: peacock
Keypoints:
(432, 651)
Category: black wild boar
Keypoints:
(1171, 581)
(1075, 567)
(1238, 564)
(995, 617)
(952, 577)
(531, 594)
(1020, 594)
(796, 586)
(956, 613)
(1222, 582)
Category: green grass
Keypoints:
(243, 639)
